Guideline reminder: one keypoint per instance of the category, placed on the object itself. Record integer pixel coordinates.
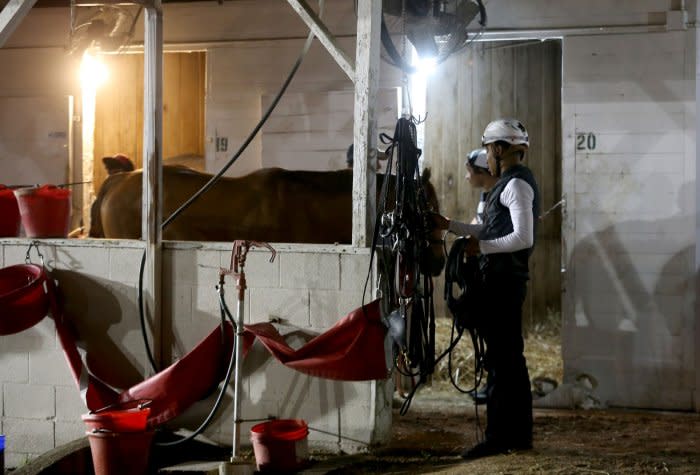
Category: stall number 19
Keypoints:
(585, 141)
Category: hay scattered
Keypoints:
(542, 351)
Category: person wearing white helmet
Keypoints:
(504, 243)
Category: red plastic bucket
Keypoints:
(24, 300)
(9, 213)
(118, 420)
(280, 445)
(120, 453)
(45, 211)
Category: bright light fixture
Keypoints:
(93, 72)
(424, 66)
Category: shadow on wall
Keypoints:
(102, 314)
(633, 305)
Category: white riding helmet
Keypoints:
(477, 158)
(508, 130)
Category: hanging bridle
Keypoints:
(404, 235)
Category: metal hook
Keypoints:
(27, 258)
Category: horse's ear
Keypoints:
(426, 175)
(118, 163)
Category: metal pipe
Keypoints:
(546, 33)
(152, 193)
(238, 373)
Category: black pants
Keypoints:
(509, 401)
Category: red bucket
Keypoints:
(120, 453)
(45, 211)
(280, 445)
(24, 300)
(128, 417)
(9, 213)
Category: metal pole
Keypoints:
(152, 194)
(240, 286)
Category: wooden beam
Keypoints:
(11, 16)
(152, 216)
(316, 25)
(364, 196)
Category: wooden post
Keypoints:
(364, 197)
(11, 16)
(152, 216)
(315, 24)
(697, 224)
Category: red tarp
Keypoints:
(352, 350)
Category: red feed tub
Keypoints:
(9, 213)
(23, 297)
(280, 445)
(45, 211)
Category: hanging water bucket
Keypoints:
(119, 441)
(280, 445)
(120, 453)
(9, 213)
(45, 211)
(24, 300)
(127, 417)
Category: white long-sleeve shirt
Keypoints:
(517, 196)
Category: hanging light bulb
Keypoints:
(93, 71)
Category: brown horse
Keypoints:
(271, 204)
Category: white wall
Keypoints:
(240, 88)
(629, 317)
(310, 287)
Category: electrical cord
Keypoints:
(225, 313)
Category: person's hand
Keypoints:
(438, 221)
(472, 248)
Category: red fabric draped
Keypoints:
(351, 350)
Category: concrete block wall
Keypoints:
(308, 287)
(314, 133)
(629, 317)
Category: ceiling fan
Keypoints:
(108, 27)
(435, 28)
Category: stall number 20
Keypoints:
(585, 141)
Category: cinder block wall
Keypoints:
(629, 177)
(309, 287)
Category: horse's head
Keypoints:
(437, 250)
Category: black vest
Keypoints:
(497, 223)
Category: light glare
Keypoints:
(425, 66)
(93, 72)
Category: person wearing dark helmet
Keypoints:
(504, 243)
(478, 176)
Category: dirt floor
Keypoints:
(441, 423)
(430, 437)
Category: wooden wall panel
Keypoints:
(488, 81)
(119, 109)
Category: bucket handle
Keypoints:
(27, 257)
(141, 404)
